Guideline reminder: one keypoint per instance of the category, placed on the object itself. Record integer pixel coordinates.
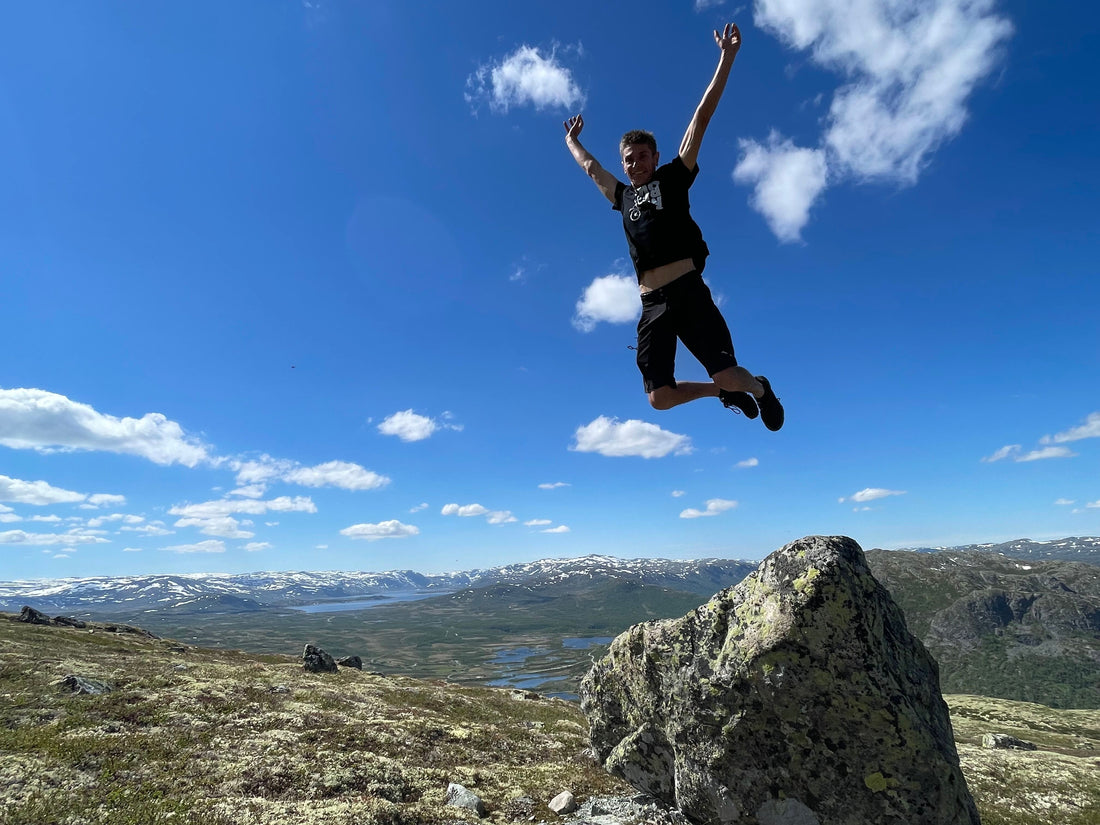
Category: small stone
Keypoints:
(562, 804)
(351, 661)
(459, 797)
(1004, 741)
(85, 686)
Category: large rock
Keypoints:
(798, 696)
(316, 660)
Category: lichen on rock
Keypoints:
(800, 683)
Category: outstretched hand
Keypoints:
(573, 126)
(729, 40)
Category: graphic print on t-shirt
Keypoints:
(646, 193)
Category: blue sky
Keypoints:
(316, 285)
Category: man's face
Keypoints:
(639, 163)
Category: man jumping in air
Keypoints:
(669, 253)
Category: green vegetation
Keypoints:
(192, 736)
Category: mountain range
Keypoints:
(288, 589)
(1020, 623)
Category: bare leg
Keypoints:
(665, 398)
(738, 379)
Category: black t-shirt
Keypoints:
(657, 219)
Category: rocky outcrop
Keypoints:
(31, 616)
(82, 685)
(798, 696)
(1003, 740)
(315, 660)
(351, 661)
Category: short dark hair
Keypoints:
(638, 136)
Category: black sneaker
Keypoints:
(739, 401)
(771, 411)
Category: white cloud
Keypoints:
(1045, 453)
(749, 462)
(410, 426)
(208, 546)
(678, 493)
(909, 68)
(787, 180)
(250, 491)
(612, 298)
(554, 485)
(422, 506)
(341, 474)
(468, 510)
(526, 77)
(537, 522)
(47, 539)
(1015, 452)
(614, 438)
(99, 521)
(561, 528)
(38, 493)
(391, 529)
(872, 493)
(225, 526)
(216, 518)
(1093, 505)
(1090, 429)
(1006, 451)
(256, 546)
(47, 422)
(156, 528)
(1064, 502)
(132, 550)
(464, 510)
(251, 507)
(105, 499)
(714, 507)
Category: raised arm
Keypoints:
(729, 41)
(604, 180)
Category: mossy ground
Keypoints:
(192, 735)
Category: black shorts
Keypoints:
(682, 309)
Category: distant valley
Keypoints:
(1020, 623)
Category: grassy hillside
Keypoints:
(192, 735)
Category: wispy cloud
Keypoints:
(47, 539)
(714, 506)
(537, 522)
(217, 518)
(871, 494)
(561, 528)
(910, 67)
(614, 438)
(554, 485)
(411, 426)
(526, 77)
(208, 546)
(392, 529)
(33, 419)
(611, 298)
(749, 462)
(1016, 453)
(1090, 429)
